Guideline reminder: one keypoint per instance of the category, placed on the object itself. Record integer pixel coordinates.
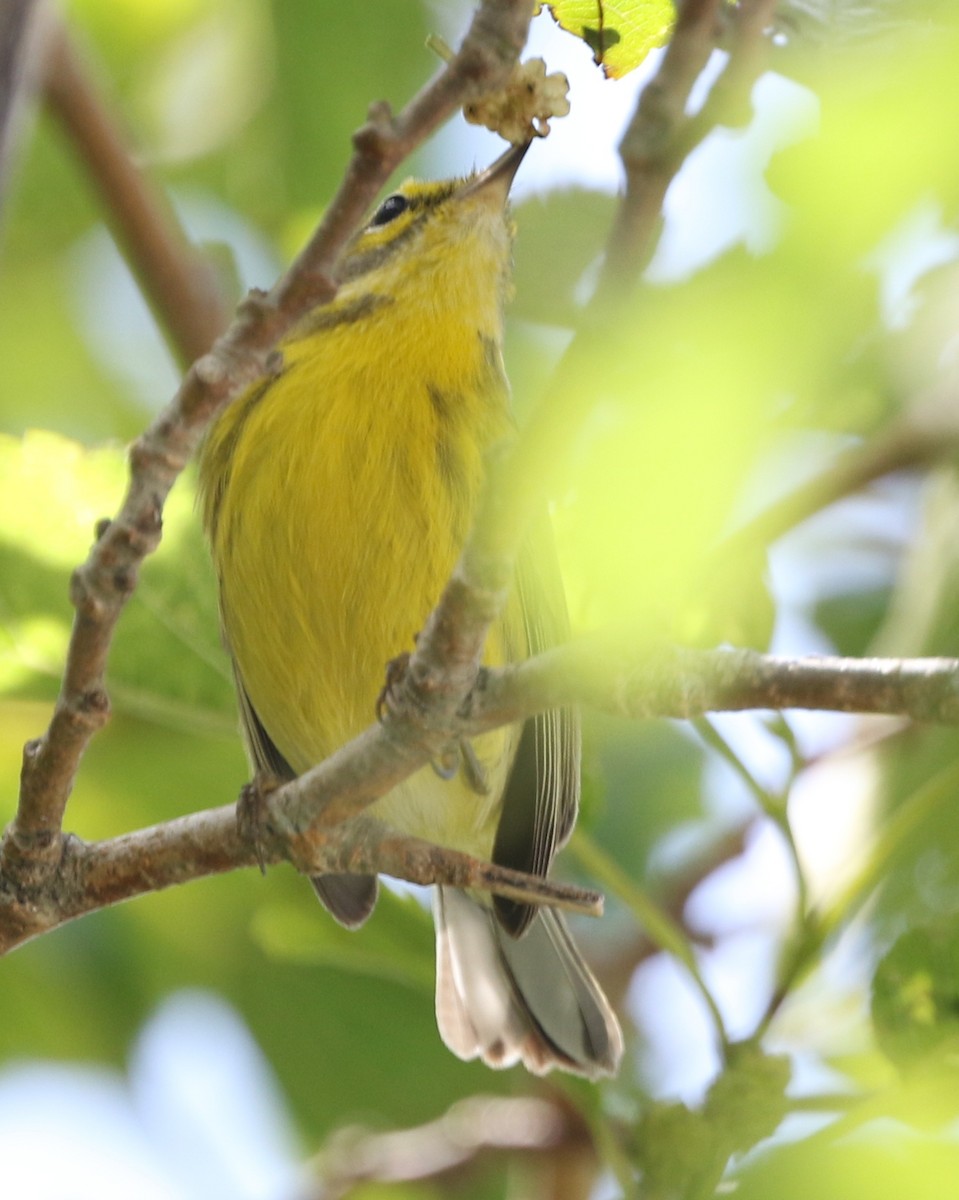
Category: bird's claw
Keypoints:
(461, 754)
(251, 811)
(395, 674)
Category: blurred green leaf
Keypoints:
(747, 1101)
(567, 229)
(682, 1151)
(887, 115)
(640, 782)
(852, 620)
(919, 799)
(671, 1144)
(915, 995)
(882, 1164)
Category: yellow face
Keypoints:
(446, 236)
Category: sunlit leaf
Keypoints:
(167, 663)
(620, 33)
(684, 402)
(879, 150)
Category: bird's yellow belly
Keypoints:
(450, 812)
(322, 583)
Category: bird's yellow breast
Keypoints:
(338, 496)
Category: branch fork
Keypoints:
(362, 845)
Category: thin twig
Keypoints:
(670, 891)
(479, 1126)
(749, 47)
(445, 664)
(655, 145)
(773, 804)
(892, 840)
(926, 434)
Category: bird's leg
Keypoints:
(251, 809)
(476, 774)
(395, 674)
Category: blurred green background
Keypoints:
(801, 303)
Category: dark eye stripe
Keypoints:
(359, 262)
(390, 209)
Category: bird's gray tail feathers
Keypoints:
(530, 999)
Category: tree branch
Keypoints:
(176, 279)
(925, 434)
(444, 694)
(95, 875)
(606, 676)
(102, 586)
(309, 821)
(480, 1126)
(18, 38)
(688, 683)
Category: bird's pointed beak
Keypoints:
(497, 179)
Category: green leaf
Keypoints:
(672, 1144)
(683, 1151)
(565, 228)
(748, 1100)
(620, 33)
(915, 995)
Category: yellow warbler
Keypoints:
(336, 495)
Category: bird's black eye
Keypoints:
(390, 209)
